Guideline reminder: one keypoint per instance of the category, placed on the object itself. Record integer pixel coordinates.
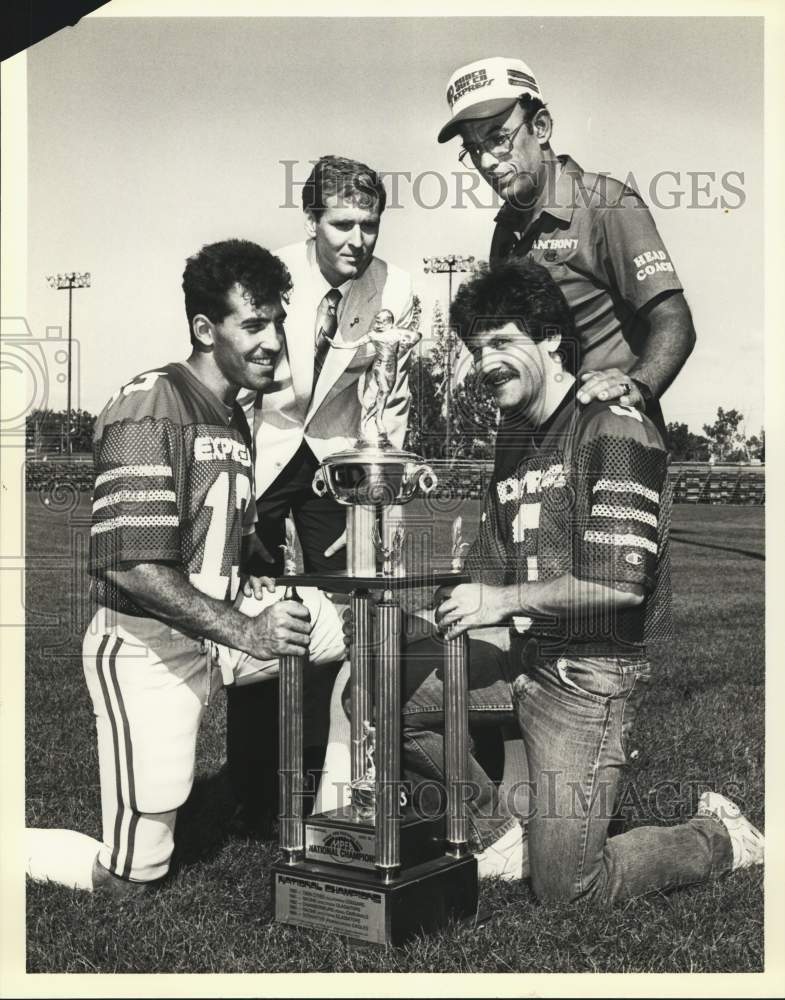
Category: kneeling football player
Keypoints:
(173, 502)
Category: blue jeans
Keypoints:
(575, 714)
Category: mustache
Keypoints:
(489, 378)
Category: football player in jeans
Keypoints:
(573, 552)
(173, 501)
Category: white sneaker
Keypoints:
(746, 840)
(62, 857)
(504, 858)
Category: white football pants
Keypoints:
(149, 685)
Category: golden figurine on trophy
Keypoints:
(390, 343)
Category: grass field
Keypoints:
(702, 727)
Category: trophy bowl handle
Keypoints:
(427, 479)
(319, 484)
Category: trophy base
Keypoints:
(359, 906)
(339, 837)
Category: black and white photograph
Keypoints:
(385, 404)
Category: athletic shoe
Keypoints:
(746, 840)
(60, 857)
(504, 858)
(108, 884)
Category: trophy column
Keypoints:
(388, 729)
(456, 743)
(360, 549)
(292, 834)
(361, 677)
(290, 731)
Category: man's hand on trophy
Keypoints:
(255, 586)
(337, 545)
(281, 629)
(469, 605)
(348, 630)
(252, 561)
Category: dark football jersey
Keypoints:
(174, 468)
(588, 496)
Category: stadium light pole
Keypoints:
(60, 282)
(449, 265)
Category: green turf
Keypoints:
(703, 726)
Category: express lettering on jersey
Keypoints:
(207, 449)
(650, 262)
(576, 505)
(533, 481)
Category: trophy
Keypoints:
(392, 553)
(363, 789)
(373, 475)
(459, 547)
(376, 869)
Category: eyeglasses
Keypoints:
(498, 144)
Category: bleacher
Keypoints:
(689, 486)
(692, 482)
(751, 488)
(719, 484)
(468, 479)
(46, 474)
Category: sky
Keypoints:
(148, 137)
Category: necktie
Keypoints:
(327, 324)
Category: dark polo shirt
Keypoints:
(598, 240)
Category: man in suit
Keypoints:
(314, 411)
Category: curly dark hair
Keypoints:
(522, 292)
(210, 274)
(337, 176)
(530, 106)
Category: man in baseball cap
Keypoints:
(486, 88)
(594, 234)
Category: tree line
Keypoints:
(724, 440)
(46, 431)
(472, 420)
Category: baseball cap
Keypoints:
(484, 88)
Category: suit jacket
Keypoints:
(330, 421)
